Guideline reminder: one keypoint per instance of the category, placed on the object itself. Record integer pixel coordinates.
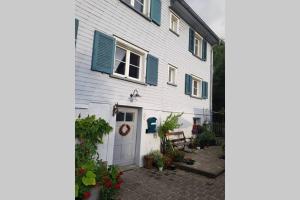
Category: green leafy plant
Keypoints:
(171, 123)
(89, 132)
(177, 155)
(207, 137)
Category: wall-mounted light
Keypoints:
(135, 94)
(115, 109)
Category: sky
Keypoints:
(212, 12)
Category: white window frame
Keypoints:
(200, 39)
(175, 74)
(178, 22)
(146, 6)
(199, 89)
(138, 51)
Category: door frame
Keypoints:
(138, 128)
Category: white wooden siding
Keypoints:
(113, 17)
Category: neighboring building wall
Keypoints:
(96, 93)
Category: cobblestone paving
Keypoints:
(145, 184)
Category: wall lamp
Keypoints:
(135, 94)
(115, 109)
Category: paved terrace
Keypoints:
(145, 184)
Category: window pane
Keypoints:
(120, 54)
(174, 23)
(129, 117)
(120, 116)
(128, 1)
(134, 59)
(196, 88)
(138, 5)
(134, 72)
(170, 75)
(120, 67)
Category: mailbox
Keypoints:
(151, 125)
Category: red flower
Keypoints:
(119, 174)
(118, 186)
(86, 195)
(81, 171)
(120, 181)
(108, 184)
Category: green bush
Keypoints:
(89, 169)
(206, 139)
(177, 155)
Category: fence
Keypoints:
(215, 119)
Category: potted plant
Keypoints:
(160, 164)
(148, 161)
(177, 155)
(167, 161)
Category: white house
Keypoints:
(158, 49)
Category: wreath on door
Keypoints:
(124, 129)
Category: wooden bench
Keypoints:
(178, 139)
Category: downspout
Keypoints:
(211, 78)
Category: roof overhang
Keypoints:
(189, 16)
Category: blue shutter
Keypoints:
(188, 84)
(204, 50)
(155, 12)
(152, 70)
(204, 90)
(191, 41)
(103, 53)
(76, 29)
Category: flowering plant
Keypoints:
(111, 183)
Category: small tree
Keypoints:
(171, 123)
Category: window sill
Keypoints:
(172, 84)
(127, 79)
(195, 97)
(199, 57)
(174, 32)
(142, 14)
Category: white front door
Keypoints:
(125, 136)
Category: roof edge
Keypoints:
(214, 39)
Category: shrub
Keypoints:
(111, 183)
(206, 139)
(167, 161)
(89, 170)
(177, 155)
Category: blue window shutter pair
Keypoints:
(191, 40)
(188, 84)
(104, 54)
(155, 11)
(76, 29)
(204, 90)
(204, 50)
(152, 70)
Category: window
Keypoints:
(142, 6)
(198, 46)
(129, 117)
(172, 74)
(196, 87)
(129, 61)
(174, 23)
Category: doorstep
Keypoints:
(127, 168)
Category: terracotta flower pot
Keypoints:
(148, 162)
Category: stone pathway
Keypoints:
(145, 184)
